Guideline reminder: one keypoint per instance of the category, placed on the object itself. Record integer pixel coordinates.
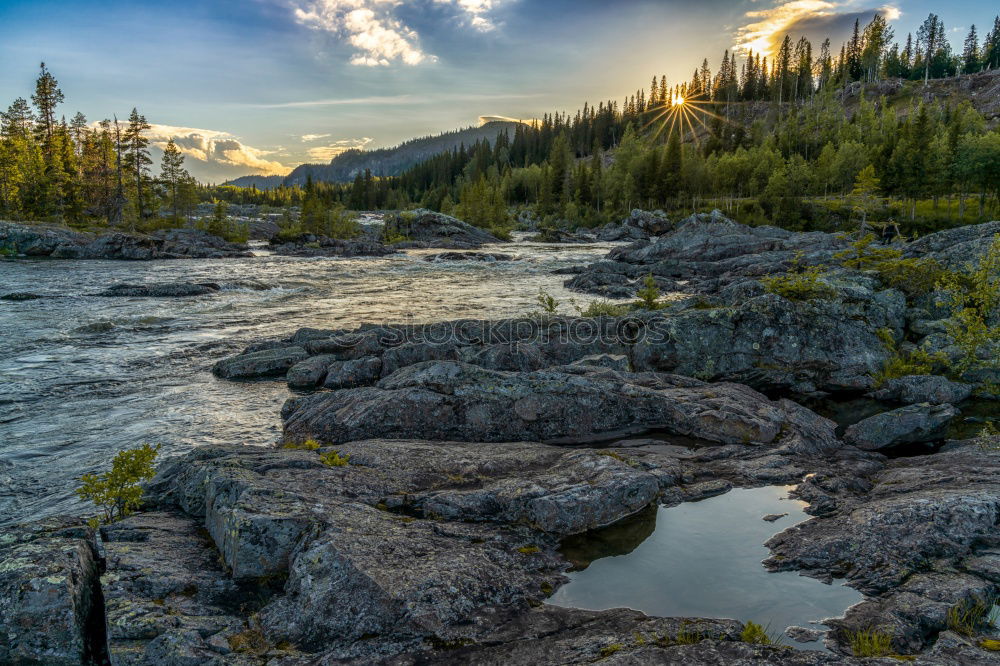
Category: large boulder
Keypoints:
(449, 400)
(50, 596)
(161, 290)
(906, 425)
(311, 245)
(955, 248)
(264, 363)
(931, 389)
(426, 228)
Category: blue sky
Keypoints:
(258, 86)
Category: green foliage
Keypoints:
(911, 276)
(970, 616)
(904, 364)
(870, 643)
(547, 302)
(604, 308)
(308, 445)
(755, 634)
(800, 284)
(117, 492)
(988, 439)
(529, 550)
(609, 650)
(334, 459)
(649, 295)
(974, 298)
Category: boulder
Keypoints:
(426, 228)
(163, 290)
(311, 245)
(21, 296)
(906, 425)
(309, 373)
(50, 597)
(264, 363)
(448, 400)
(469, 256)
(955, 248)
(931, 389)
(363, 371)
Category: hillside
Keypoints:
(260, 182)
(393, 161)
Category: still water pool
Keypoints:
(701, 559)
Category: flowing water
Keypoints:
(83, 376)
(701, 559)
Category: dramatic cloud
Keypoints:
(815, 19)
(216, 148)
(379, 37)
(329, 151)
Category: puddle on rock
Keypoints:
(701, 559)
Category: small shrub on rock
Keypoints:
(117, 492)
(604, 309)
(803, 285)
(968, 617)
(911, 276)
(870, 643)
(988, 439)
(755, 634)
(334, 459)
(974, 298)
(649, 295)
(308, 445)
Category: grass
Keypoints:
(968, 617)
(249, 641)
(308, 445)
(604, 308)
(334, 459)
(609, 650)
(529, 550)
(870, 643)
(991, 644)
(755, 634)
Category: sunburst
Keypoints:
(682, 113)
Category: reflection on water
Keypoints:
(700, 559)
(83, 376)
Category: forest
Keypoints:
(776, 141)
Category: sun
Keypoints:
(678, 101)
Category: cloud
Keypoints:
(331, 150)
(308, 138)
(503, 119)
(216, 148)
(380, 38)
(816, 19)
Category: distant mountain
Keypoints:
(260, 182)
(393, 161)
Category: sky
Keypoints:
(260, 86)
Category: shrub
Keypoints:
(547, 302)
(755, 634)
(609, 650)
(604, 308)
(802, 285)
(911, 276)
(870, 643)
(118, 492)
(974, 297)
(900, 364)
(649, 295)
(334, 459)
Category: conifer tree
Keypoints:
(136, 159)
(46, 98)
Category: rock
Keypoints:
(911, 424)
(469, 256)
(310, 245)
(426, 228)
(704, 253)
(265, 363)
(614, 233)
(804, 634)
(50, 597)
(309, 373)
(772, 517)
(166, 593)
(163, 290)
(955, 248)
(653, 223)
(559, 235)
(930, 389)
(21, 296)
(611, 361)
(62, 243)
(350, 374)
(448, 400)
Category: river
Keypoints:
(83, 376)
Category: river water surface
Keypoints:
(83, 376)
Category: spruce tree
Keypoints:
(137, 159)
(46, 98)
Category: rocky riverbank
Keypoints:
(62, 243)
(426, 475)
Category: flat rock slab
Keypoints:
(165, 290)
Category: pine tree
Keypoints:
(970, 52)
(46, 98)
(931, 30)
(137, 160)
(173, 176)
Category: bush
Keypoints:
(974, 298)
(911, 276)
(802, 285)
(988, 438)
(604, 308)
(334, 459)
(547, 302)
(755, 634)
(308, 445)
(900, 364)
(118, 493)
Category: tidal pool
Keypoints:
(701, 559)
